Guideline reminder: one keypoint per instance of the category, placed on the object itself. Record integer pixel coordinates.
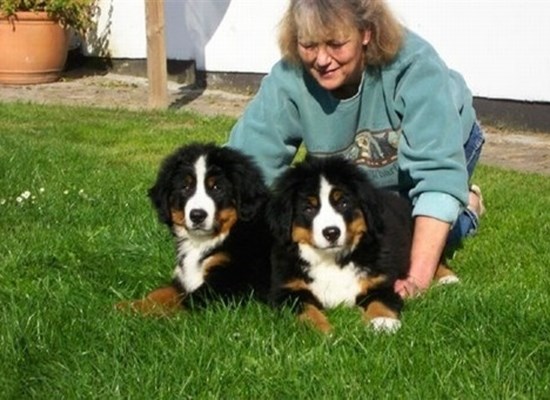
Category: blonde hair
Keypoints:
(325, 19)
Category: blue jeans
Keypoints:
(468, 222)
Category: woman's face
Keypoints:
(335, 62)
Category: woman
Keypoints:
(352, 81)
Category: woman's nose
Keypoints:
(323, 58)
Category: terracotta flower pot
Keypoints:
(33, 49)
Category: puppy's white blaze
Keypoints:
(327, 217)
(200, 199)
(190, 271)
(331, 284)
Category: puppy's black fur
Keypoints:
(375, 252)
(213, 201)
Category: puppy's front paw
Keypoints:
(164, 301)
(385, 324)
(145, 307)
(445, 276)
(448, 280)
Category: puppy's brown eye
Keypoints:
(214, 184)
(309, 210)
(187, 185)
(310, 205)
(343, 205)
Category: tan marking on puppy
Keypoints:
(356, 229)
(377, 309)
(227, 218)
(443, 271)
(189, 180)
(160, 302)
(296, 285)
(336, 195)
(313, 201)
(311, 314)
(315, 317)
(371, 282)
(178, 217)
(301, 235)
(214, 261)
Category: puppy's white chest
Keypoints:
(334, 285)
(190, 270)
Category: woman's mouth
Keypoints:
(327, 74)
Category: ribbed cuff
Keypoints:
(437, 205)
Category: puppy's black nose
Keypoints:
(197, 215)
(331, 233)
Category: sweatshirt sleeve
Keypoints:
(431, 154)
(269, 130)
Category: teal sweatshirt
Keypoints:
(406, 126)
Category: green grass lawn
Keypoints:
(78, 235)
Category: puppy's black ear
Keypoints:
(162, 191)
(251, 192)
(160, 198)
(280, 208)
(372, 205)
(252, 195)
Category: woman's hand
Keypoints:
(407, 287)
(429, 239)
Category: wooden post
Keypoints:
(156, 54)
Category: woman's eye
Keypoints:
(336, 44)
(308, 46)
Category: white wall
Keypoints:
(502, 47)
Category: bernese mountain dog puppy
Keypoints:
(213, 201)
(338, 242)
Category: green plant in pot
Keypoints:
(35, 37)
